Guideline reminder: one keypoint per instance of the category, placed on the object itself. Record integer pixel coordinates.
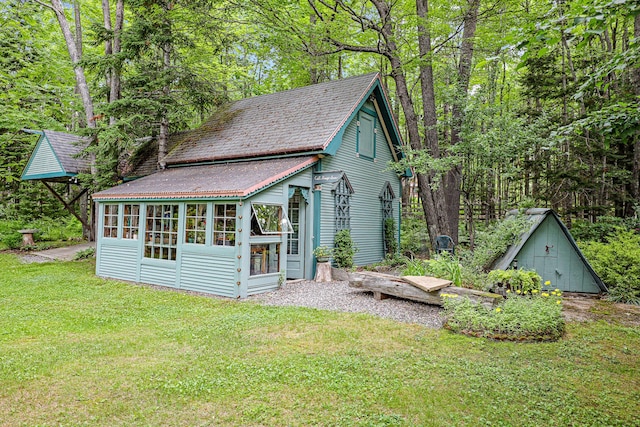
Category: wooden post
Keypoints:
(323, 272)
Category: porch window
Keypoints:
(110, 223)
(131, 219)
(342, 199)
(265, 258)
(224, 225)
(162, 232)
(269, 219)
(196, 223)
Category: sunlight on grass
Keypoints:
(79, 350)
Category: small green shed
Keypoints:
(549, 249)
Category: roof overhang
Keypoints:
(237, 180)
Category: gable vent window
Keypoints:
(366, 139)
(342, 197)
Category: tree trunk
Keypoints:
(75, 56)
(454, 176)
(163, 136)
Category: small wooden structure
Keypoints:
(383, 285)
(549, 249)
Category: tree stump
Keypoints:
(323, 272)
(27, 237)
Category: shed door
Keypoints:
(296, 244)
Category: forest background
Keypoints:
(502, 103)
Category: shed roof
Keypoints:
(303, 120)
(65, 147)
(537, 216)
(233, 180)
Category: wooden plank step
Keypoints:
(426, 283)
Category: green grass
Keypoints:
(78, 350)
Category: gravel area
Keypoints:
(338, 296)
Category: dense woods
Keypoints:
(502, 103)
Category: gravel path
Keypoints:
(338, 296)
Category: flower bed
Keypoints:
(533, 316)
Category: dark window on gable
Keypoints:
(366, 136)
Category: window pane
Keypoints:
(265, 258)
(110, 221)
(196, 224)
(162, 232)
(224, 225)
(269, 219)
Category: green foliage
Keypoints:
(533, 318)
(443, 266)
(414, 237)
(617, 262)
(344, 249)
(494, 241)
(518, 281)
(322, 252)
(603, 228)
(390, 236)
(85, 254)
(49, 230)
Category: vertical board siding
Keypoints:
(367, 179)
(158, 274)
(44, 161)
(118, 262)
(215, 275)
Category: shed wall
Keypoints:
(551, 255)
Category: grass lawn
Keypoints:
(80, 350)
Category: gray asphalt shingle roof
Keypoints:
(66, 147)
(295, 121)
(237, 179)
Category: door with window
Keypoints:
(296, 242)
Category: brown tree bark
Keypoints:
(453, 178)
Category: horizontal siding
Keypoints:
(367, 179)
(158, 275)
(263, 283)
(118, 262)
(216, 275)
(44, 161)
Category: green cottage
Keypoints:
(245, 198)
(549, 249)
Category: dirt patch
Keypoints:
(584, 309)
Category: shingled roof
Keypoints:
(238, 179)
(56, 155)
(295, 121)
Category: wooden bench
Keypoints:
(415, 288)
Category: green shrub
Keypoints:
(603, 228)
(344, 250)
(532, 318)
(493, 242)
(617, 262)
(390, 236)
(443, 266)
(518, 281)
(414, 237)
(84, 254)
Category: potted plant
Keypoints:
(322, 253)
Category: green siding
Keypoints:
(367, 179)
(216, 275)
(551, 255)
(118, 261)
(43, 162)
